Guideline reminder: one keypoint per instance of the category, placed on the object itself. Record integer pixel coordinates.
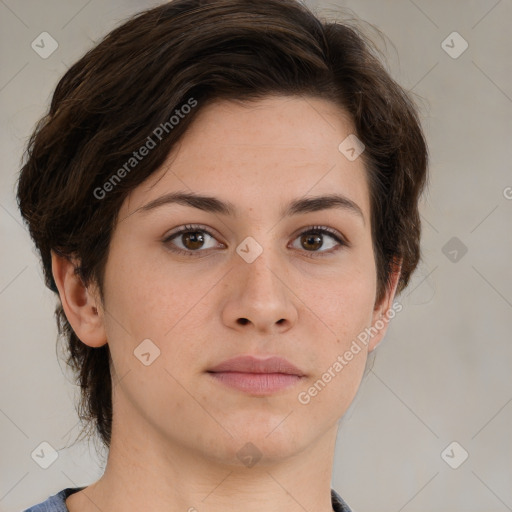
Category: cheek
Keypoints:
(156, 301)
(340, 357)
(343, 302)
(356, 306)
(346, 307)
(146, 295)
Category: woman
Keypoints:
(225, 198)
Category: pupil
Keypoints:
(195, 238)
(315, 240)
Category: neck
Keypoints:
(145, 471)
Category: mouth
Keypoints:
(257, 376)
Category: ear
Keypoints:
(381, 317)
(81, 304)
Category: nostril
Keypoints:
(243, 321)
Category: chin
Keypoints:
(257, 452)
(254, 442)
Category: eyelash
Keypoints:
(313, 229)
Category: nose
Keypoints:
(259, 297)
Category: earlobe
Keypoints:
(80, 303)
(381, 317)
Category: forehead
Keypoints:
(295, 125)
(261, 153)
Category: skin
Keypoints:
(176, 432)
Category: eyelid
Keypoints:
(191, 227)
(185, 229)
(333, 233)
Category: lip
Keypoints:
(251, 364)
(257, 376)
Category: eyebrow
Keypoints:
(215, 205)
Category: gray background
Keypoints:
(443, 372)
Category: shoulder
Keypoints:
(56, 502)
(338, 505)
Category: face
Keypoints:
(258, 280)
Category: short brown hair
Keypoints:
(142, 73)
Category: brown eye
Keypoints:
(311, 242)
(192, 240)
(320, 241)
